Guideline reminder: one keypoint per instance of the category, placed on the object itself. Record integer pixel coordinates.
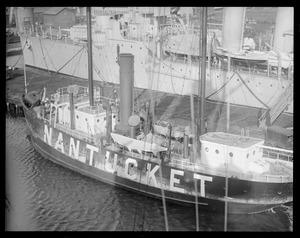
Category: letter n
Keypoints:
(47, 134)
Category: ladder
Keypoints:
(277, 107)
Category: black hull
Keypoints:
(247, 197)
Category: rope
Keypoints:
(220, 88)
(236, 72)
(251, 91)
(44, 58)
(49, 55)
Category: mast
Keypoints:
(90, 56)
(201, 109)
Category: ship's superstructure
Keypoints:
(175, 63)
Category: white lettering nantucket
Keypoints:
(47, 134)
(202, 182)
(60, 143)
(150, 174)
(92, 149)
(127, 174)
(73, 148)
(174, 180)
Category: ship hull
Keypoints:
(142, 176)
(165, 76)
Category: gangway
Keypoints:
(278, 106)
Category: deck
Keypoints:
(169, 107)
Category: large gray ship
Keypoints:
(260, 79)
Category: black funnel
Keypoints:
(126, 63)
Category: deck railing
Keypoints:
(184, 164)
(77, 134)
(277, 153)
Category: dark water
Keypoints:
(43, 196)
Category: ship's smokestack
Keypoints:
(233, 25)
(284, 23)
(126, 63)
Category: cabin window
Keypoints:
(131, 46)
(104, 118)
(247, 155)
(206, 149)
(253, 152)
(114, 116)
(230, 154)
(98, 120)
(217, 151)
(77, 117)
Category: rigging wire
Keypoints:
(44, 58)
(54, 42)
(76, 66)
(68, 61)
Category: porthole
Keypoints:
(131, 46)
(259, 83)
(237, 79)
(271, 85)
(114, 116)
(98, 120)
(104, 118)
(206, 149)
(217, 151)
(140, 48)
(248, 81)
(247, 155)
(230, 154)
(253, 152)
(77, 117)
